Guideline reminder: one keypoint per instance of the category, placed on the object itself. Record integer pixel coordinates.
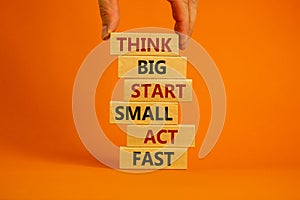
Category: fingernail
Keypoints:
(184, 40)
(105, 33)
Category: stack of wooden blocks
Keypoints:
(154, 84)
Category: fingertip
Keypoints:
(106, 36)
(108, 29)
(183, 45)
(105, 32)
(183, 40)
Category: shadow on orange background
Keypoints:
(255, 45)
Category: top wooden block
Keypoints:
(144, 44)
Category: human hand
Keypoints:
(184, 14)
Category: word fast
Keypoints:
(148, 159)
(153, 158)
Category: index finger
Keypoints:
(180, 9)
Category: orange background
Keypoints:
(255, 44)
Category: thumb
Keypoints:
(109, 11)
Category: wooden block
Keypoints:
(161, 136)
(177, 90)
(143, 112)
(143, 44)
(153, 158)
(152, 67)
